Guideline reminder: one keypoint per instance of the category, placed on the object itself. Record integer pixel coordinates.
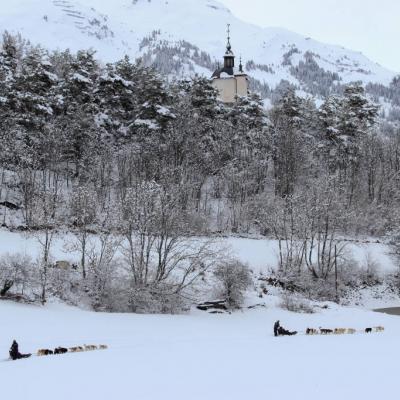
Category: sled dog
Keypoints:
(76, 349)
(60, 350)
(89, 347)
(44, 352)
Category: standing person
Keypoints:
(14, 352)
(276, 328)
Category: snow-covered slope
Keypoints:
(139, 27)
(260, 254)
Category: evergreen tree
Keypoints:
(8, 71)
(79, 110)
(8, 67)
(287, 143)
(152, 109)
(35, 85)
(358, 113)
(117, 99)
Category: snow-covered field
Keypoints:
(198, 356)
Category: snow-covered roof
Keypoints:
(226, 73)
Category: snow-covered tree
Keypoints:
(288, 142)
(234, 279)
(83, 213)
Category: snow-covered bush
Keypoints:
(234, 279)
(65, 285)
(16, 274)
(369, 274)
(156, 299)
(295, 303)
(393, 282)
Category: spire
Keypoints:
(228, 44)
(241, 66)
(229, 58)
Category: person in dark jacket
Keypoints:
(14, 352)
(284, 332)
(276, 328)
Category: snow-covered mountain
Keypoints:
(188, 36)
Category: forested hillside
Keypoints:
(167, 35)
(117, 149)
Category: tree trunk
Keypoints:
(7, 286)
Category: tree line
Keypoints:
(68, 122)
(117, 148)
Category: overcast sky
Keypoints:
(369, 26)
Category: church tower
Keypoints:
(230, 82)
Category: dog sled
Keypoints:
(16, 355)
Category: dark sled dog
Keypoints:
(60, 350)
(44, 352)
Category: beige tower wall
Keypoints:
(229, 88)
(226, 88)
(242, 85)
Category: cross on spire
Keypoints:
(229, 57)
(228, 46)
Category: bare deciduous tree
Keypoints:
(234, 278)
(161, 257)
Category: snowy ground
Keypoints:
(260, 254)
(198, 356)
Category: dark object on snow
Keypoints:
(368, 330)
(260, 305)
(60, 350)
(9, 205)
(284, 332)
(44, 352)
(289, 286)
(8, 284)
(17, 297)
(14, 352)
(276, 328)
(212, 305)
(325, 331)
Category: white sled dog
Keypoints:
(76, 349)
(89, 347)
